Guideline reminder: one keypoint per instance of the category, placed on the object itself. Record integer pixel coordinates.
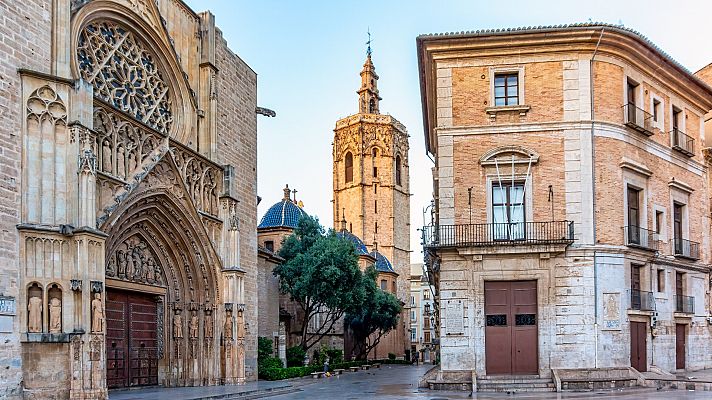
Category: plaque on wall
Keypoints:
(7, 305)
(454, 317)
(8, 310)
(611, 311)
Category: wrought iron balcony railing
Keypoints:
(636, 236)
(641, 300)
(498, 234)
(685, 304)
(638, 119)
(685, 248)
(682, 143)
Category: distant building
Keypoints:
(571, 184)
(423, 342)
(372, 195)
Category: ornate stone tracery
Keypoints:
(124, 73)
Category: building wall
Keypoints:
(236, 145)
(25, 45)
(581, 173)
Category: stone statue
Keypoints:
(111, 267)
(156, 272)
(194, 326)
(120, 162)
(105, 155)
(97, 314)
(34, 314)
(240, 325)
(138, 259)
(150, 271)
(178, 325)
(121, 263)
(228, 327)
(208, 326)
(55, 315)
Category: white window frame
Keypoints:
(528, 198)
(519, 70)
(660, 123)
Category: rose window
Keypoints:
(124, 73)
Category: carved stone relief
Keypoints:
(133, 261)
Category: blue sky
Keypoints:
(308, 55)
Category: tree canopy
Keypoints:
(320, 273)
(377, 315)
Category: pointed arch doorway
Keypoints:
(162, 288)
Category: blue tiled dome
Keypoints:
(359, 246)
(382, 263)
(284, 214)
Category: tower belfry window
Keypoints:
(372, 106)
(398, 170)
(349, 167)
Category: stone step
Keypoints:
(517, 384)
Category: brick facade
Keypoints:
(574, 167)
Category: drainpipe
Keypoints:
(593, 199)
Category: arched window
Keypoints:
(374, 154)
(349, 167)
(372, 106)
(398, 170)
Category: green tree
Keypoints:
(320, 273)
(379, 314)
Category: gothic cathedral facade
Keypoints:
(372, 194)
(128, 213)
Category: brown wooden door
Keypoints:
(680, 346)
(638, 346)
(511, 333)
(131, 345)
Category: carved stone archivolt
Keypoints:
(133, 261)
(124, 73)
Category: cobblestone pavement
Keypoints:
(401, 382)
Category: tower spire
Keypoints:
(368, 93)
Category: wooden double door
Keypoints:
(131, 339)
(511, 328)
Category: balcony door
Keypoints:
(635, 297)
(634, 216)
(677, 227)
(508, 211)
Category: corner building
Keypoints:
(128, 209)
(372, 195)
(571, 185)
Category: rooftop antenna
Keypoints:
(368, 49)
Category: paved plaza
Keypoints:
(401, 382)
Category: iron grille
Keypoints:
(682, 143)
(641, 300)
(636, 236)
(638, 119)
(498, 234)
(686, 249)
(685, 304)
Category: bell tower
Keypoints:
(372, 189)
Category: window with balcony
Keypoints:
(635, 235)
(508, 213)
(635, 117)
(682, 247)
(639, 299)
(680, 141)
(683, 303)
(506, 89)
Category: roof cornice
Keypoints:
(616, 41)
